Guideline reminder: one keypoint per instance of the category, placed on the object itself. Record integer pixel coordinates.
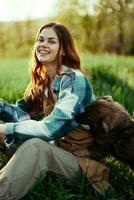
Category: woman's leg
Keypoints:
(31, 159)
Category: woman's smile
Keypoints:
(44, 52)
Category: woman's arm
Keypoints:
(74, 94)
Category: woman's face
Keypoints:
(47, 47)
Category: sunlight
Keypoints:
(11, 10)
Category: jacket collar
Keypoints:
(64, 70)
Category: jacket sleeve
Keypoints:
(12, 113)
(54, 126)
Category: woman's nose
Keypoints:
(45, 43)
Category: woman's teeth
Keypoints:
(44, 52)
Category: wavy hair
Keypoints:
(35, 90)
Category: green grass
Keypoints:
(14, 76)
(109, 75)
(112, 75)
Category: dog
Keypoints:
(112, 128)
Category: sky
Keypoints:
(14, 10)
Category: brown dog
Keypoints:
(112, 128)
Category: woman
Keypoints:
(58, 91)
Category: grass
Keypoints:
(112, 75)
(14, 75)
(109, 75)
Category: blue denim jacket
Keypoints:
(73, 91)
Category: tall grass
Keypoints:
(109, 75)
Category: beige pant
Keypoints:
(31, 159)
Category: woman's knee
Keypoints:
(36, 144)
(34, 141)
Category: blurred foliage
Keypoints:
(106, 28)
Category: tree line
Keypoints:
(107, 28)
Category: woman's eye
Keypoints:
(51, 41)
(40, 40)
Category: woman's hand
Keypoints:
(2, 132)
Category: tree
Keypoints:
(117, 15)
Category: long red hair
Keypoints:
(35, 90)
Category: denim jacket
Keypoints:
(73, 92)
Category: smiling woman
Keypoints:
(57, 92)
(26, 9)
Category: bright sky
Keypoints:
(11, 10)
(21, 9)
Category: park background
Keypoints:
(104, 36)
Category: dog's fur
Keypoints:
(112, 129)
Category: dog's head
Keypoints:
(104, 115)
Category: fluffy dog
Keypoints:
(112, 129)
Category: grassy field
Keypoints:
(109, 75)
